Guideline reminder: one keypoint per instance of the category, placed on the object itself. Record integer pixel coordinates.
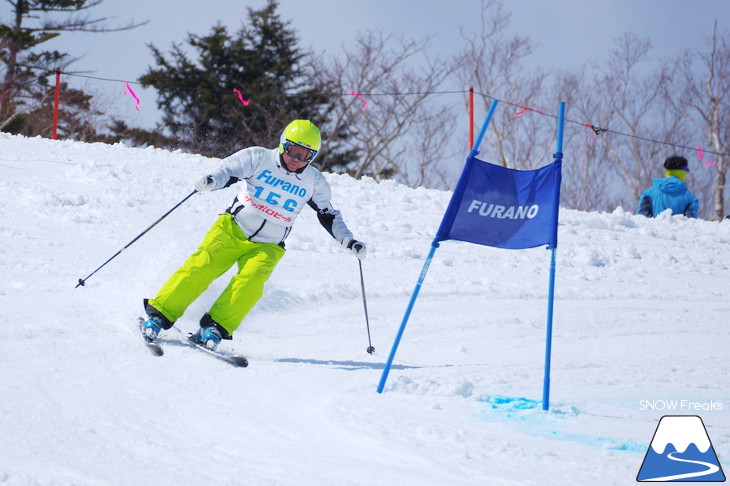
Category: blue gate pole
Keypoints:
(487, 120)
(414, 296)
(549, 334)
(427, 263)
(551, 289)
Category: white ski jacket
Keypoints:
(272, 197)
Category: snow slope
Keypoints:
(641, 322)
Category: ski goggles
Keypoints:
(296, 151)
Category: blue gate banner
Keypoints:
(504, 208)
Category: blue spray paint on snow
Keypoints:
(521, 412)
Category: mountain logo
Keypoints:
(681, 451)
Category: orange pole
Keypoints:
(471, 117)
(55, 103)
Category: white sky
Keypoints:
(569, 33)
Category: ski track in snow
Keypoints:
(641, 313)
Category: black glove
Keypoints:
(358, 248)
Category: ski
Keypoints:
(152, 347)
(155, 349)
(235, 360)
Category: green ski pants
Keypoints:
(224, 245)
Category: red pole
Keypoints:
(471, 117)
(55, 103)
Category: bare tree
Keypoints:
(706, 97)
(634, 110)
(492, 63)
(397, 129)
(589, 184)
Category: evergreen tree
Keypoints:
(202, 113)
(26, 95)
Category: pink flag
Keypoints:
(240, 97)
(364, 102)
(699, 156)
(128, 89)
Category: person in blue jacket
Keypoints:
(670, 192)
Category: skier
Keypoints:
(277, 183)
(670, 192)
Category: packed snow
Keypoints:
(640, 331)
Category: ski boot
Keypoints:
(208, 336)
(151, 328)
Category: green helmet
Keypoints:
(303, 133)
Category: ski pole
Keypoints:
(82, 281)
(370, 349)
